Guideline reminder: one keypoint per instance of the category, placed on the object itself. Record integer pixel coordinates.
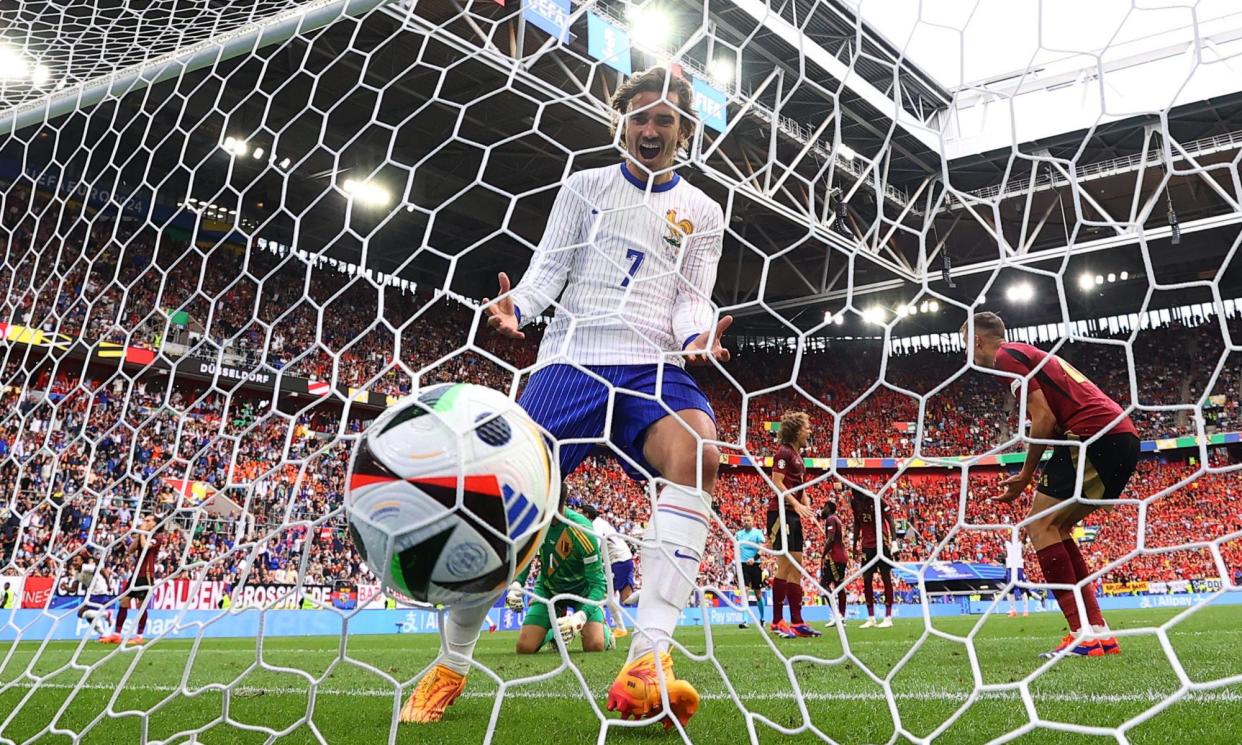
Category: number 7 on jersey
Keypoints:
(637, 257)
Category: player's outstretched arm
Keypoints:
(548, 272)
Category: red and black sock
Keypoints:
(142, 623)
(1081, 572)
(869, 594)
(841, 601)
(120, 618)
(793, 591)
(778, 598)
(1059, 569)
(888, 594)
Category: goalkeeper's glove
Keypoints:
(570, 626)
(513, 601)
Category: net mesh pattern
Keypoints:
(212, 284)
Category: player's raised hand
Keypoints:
(1014, 486)
(501, 316)
(698, 351)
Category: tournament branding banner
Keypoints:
(550, 15)
(185, 594)
(281, 596)
(220, 371)
(608, 44)
(711, 105)
(36, 592)
(195, 368)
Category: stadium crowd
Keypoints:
(82, 456)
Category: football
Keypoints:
(450, 493)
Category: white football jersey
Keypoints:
(633, 267)
(618, 548)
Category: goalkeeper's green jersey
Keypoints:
(570, 560)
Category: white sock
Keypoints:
(672, 550)
(98, 620)
(618, 618)
(459, 632)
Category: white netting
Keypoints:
(284, 216)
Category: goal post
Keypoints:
(254, 30)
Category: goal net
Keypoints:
(235, 232)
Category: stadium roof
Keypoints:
(1021, 72)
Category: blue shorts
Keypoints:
(570, 404)
(623, 575)
(1018, 575)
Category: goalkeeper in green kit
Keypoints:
(570, 564)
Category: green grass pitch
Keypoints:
(164, 692)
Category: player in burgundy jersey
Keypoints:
(147, 546)
(785, 532)
(871, 537)
(1063, 405)
(835, 562)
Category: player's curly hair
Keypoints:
(651, 80)
(793, 424)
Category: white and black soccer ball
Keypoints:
(450, 493)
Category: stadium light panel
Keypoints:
(912, 309)
(721, 70)
(235, 146)
(1125, 276)
(366, 192)
(933, 306)
(1112, 277)
(650, 24)
(258, 153)
(874, 315)
(1020, 293)
(40, 75)
(1086, 281)
(13, 65)
(840, 319)
(1099, 279)
(903, 311)
(284, 162)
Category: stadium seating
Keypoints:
(87, 450)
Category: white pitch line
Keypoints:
(795, 647)
(1204, 697)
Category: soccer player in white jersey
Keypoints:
(620, 562)
(1016, 572)
(629, 259)
(93, 580)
